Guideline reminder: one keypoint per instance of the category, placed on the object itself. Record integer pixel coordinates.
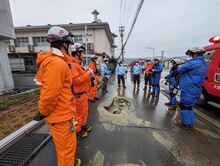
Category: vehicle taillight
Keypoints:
(215, 39)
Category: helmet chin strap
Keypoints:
(66, 47)
(78, 55)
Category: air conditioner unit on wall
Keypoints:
(31, 48)
(90, 46)
(11, 48)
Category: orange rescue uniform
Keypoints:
(148, 67)
(56, 103)
(94, 89)
(81, 81)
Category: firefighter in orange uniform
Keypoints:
(81, 80)
(56, 98)
(94, 87)
(148, 74)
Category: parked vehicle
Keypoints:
(211, 87)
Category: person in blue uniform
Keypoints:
(105, 73)
(173, 83)
(156, 75)
(136, 70)
(192, 76)
(120, 72)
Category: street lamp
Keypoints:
(152, 50)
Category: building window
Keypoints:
(40, 41)
(22, 41)
(78, 38)
(7, 42)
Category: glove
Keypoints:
(92, 81)
(38, 116)
(174, 73)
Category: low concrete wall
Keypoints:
(24, 80)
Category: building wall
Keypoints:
(6, 25)
(6, 32)
(97, 37)
(101, 42)
(6, 80)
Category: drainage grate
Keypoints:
(23, 150)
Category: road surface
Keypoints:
(145, 135)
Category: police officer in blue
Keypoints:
(173, 83)
(120, 72)
(156, 75)
(105, 73)
(192, 76)
(136, 70)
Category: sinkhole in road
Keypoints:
(117, 105)
(120, 111)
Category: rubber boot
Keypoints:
(93, 101)
(86, 128)
(172, 107)
(82, 134)
(96, 98)
(167, 104)
(77, 162)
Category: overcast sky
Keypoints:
(169, 25)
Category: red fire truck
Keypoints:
(211, 87)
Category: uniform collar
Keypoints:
(56, 52)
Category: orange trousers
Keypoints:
(65, 143)
(94, 90)
(82, 109)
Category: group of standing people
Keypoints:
(65, 88)
(184, 79)
(152, 76)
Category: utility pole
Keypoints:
(152, 50)
(162, 56)
(121, 30)
(86, 45)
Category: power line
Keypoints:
(129, 12)
(132, 26)
(124, 11)
(120, 13)
(134, 21)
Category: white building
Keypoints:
(6, 32)
(32, 39)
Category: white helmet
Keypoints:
(78, 47)
(177, 61)
(195, 50)
(57, 33)
(105, 59)
(93, 56)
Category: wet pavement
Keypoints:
(144, 136)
